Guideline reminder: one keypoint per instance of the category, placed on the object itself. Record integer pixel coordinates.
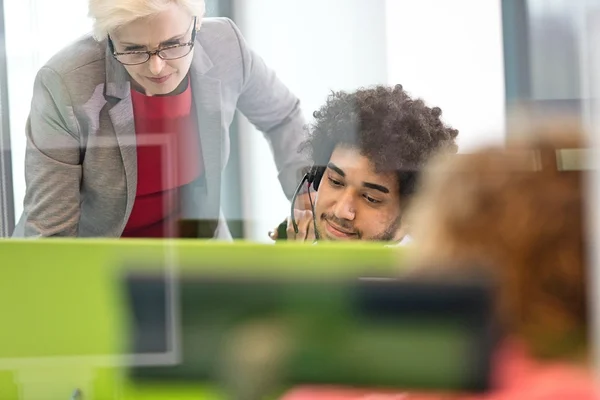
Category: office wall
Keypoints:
(450, 53)
(315, 46)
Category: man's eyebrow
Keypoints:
(336, 169)
(375, 186)
(369, 185)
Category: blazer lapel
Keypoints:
(207, 100)
(118, 94)
(122, 119)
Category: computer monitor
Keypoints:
(245, 333)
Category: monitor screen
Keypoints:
(365, 332)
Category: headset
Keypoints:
(312, 178)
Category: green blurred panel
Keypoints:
(52, 296)
(63, 321)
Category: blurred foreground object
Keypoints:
(64, 319)
(254, 335)
(519, 212)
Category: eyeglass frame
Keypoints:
(156, 52)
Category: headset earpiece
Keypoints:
(315, 175)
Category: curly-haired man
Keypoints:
(367, 148)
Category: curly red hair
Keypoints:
(520, 212)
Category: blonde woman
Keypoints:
(129, 127)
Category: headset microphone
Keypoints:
(312, 178)
(294, 197)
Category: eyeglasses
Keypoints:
(166, 53)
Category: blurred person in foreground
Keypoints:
(367, 148)
(519, 214)
(128, 132)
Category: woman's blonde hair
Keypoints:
(109, 15)
(520, 211)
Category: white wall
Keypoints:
(35, 30)
(450, 53)
(315, 46)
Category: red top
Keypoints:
(168, 157)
